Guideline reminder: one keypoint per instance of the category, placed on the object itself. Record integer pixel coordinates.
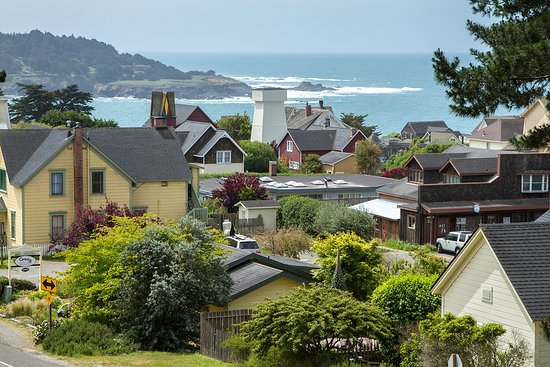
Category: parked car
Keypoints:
(243, 243)
(453, 241)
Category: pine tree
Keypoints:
(514, 71)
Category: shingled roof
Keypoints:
(316, 140)
(141, 153)
(472, 167)
(522, 250)
(502, 129)
(422, 127)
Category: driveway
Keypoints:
(49, 268)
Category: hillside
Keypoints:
(97, 67)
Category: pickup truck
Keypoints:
(453, 241)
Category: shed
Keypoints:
(266, 209)
(386, 216)
(338, 162)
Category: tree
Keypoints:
(478, 346)
(358, 122)
(367, 155)
(238, 126)
(399, 159)
(333, 218)
(57, 118)
(361, 262)
(35, 103)
(258, 155)
(538, 137)
(71, 98)
(306, 324)
(289, 242)
(312, 164)
(513, 72)
(235, 186)
(169, 279)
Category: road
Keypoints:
(16, 350)
(49, 268)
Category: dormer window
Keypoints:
(416, 175)
(451, 179)
(534, 183)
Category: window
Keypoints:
(223, 156)
(461, 224)
(447, 178)
(452, 237)
(57, 225)
(3, 181)
(12, 225)
(462, 237)
(139, 209)
(98, 182)
(411, 221)
(534, 183)
(352, 195)
(56, 183)
(416, 175)
(289, 145)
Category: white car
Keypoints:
(243, 243)
(453, 241)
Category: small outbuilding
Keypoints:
(338, 162)
(266, 209)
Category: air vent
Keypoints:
(340, 182)
(487, 294)
(266, 179)
(317, 182)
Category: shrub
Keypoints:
(312, 164)
(79, 337)
(332, 218)
(298, 211)
(20, 307)
(289, 242)
(18, 285)
(396, 173)
(361, 262)
(232, 188)
(258, 155)
(42, 328)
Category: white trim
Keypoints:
(291, 145)
(224, 135)
(223, 154)
(204, 132)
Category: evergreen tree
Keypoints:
(35, 103)
(513, 72)
(358, 122)
(71, 98)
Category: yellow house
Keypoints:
(338, 162)
(47, 174)
(257, 277)
(535, 115)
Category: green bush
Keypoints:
(300, 212)
(258, 155)
(79, 337)
(332, 218)
(20, 307)
(18, 285)
(289, 242)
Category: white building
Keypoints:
(269, 123)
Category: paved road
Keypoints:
(49, 268)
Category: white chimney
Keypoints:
(269, 123)
(4, 114)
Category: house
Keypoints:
(495, 132)
(535, 115)
(338, 162)
(48, 174)
(420, 129)
(298, 131)
(257, 277)
(502, 276)
(4, 114)
(265, 209)
(346, 188)
(511, 187)
(386, 216)
(212, 149)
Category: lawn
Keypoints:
(150, 359)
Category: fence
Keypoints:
(216, 327)
(242, 226)
(46, 250)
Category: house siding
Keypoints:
(537, 116)
(169, 202)
(463, 295)
(488, 144)
(347, 165)
(13, 200)
(542, 347)
(224, 144)
(350, 147)
(273, 290)
(295, 155)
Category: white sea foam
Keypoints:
(350, 91)
(255, 80)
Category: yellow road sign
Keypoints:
(49, 298)
(48, 284)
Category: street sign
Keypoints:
(49, 298)
(48, 284)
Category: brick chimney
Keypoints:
(308, 109)
(321, 104)
(78, 169)
(273, 168)
(163, 109)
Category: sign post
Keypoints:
(454, 361)
(49, 285)
(24, 257)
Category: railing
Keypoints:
(200, 214)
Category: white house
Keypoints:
(502, 275)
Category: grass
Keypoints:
(405, 246)
(150, 359)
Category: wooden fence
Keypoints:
(242, 226)
(216, 327)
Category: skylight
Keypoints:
(340, 182)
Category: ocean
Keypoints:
(391, 89)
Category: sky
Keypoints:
(360, 26)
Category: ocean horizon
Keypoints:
(392, 89)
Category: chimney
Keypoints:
(4, 114)
(321, 104)
(308, 109)
(78, 169)
(163, 109)
(273, 168)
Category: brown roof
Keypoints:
(502, 129)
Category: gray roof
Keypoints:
(141, 153)
(421, 127)
(471, 152)
(522, 250)
(334, 157)
(251, 276)
(400, 188)
(500, 129)
(434, 161)
(474, 166)
(251, 204)
(313, 140)
(545, 218)
(193, 130)
(219, 134)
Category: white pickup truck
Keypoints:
(453, 241)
